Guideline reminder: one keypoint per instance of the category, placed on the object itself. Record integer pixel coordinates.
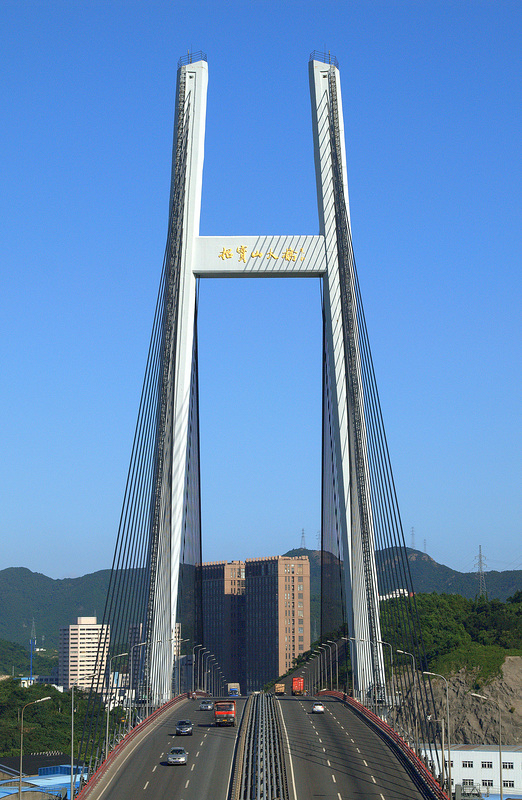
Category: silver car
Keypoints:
(178, 755)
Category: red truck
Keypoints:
(225, 712)
(297, 685)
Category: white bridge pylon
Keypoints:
(255, 257)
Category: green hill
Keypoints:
(26, 595)
(429, 576)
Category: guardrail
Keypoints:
(412, 760)
(260, 767)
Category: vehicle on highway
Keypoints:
(298, 685)
(184, 727)
(317, 708)
(225, 712)
(206, 705)
(178, 755)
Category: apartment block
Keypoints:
(78, 652)
(256, 616)
(223, 587)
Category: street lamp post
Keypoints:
(133, 648)
(211, 667)
(193, 670)
(109, 693)
(205, 665)
(347, 639)
(441, 723)
(380, 641)
(329, 644)
(436, 675)
(181, 641)
(323, 648)
(310, 664)
(32, 703)
(336, 665)
(366, 641)
(415, 709)
(355, 639)
(306, 675)
(492, 699)
(85, 678)
(201, 658)
(316, 672)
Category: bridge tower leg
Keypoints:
(349, 523)
(175, 512)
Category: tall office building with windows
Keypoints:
(277, 605)
(223, 586)
(261, 606)
(78, 651)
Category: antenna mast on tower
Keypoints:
(303, 540)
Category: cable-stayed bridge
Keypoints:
(154, 606)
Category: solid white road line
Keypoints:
(289, 753)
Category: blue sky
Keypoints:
(432, 104)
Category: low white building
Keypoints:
(479, 766)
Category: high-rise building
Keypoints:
(78, 652)
(277, 605)
(256, 616)
(223, 586)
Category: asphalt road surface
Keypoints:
(336, 756)
(143, 771)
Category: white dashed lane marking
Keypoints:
(145, 786)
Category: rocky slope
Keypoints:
(475, 721)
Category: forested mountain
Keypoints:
(428, 576)
(26, 595)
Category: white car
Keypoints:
(317, 708)
(178, 755)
